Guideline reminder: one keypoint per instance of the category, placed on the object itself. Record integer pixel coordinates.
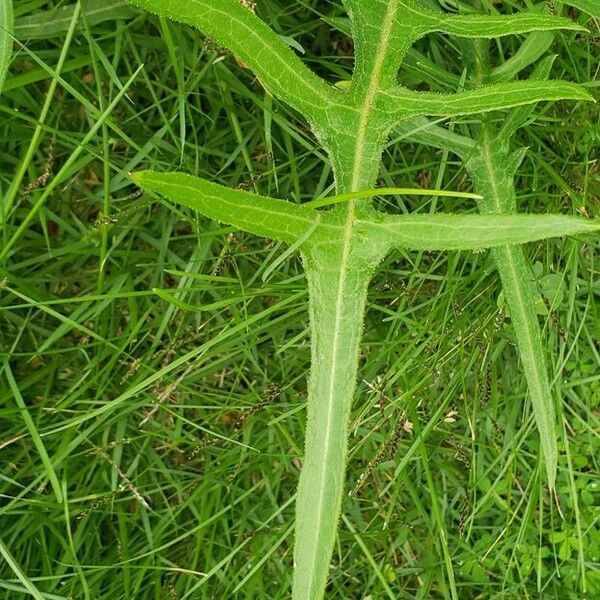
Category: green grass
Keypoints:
(165, 379)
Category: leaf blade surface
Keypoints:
(6, 41)
(475, 232)
(408, 103)
(267, 217)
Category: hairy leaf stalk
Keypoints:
(337, 301)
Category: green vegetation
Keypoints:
(154, 363)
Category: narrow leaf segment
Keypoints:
(276, 219)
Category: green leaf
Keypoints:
(6, 39)
(484, 26)
(473, 232)
(407, 103)
(515, 275)
(281, 220)
(276, 219)
(337, 303)
(341, 247)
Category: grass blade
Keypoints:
(6, 40)
(34, 433)
(531, 50)
(55, 22)
(59, 177)
(16, 569)
(15, 184)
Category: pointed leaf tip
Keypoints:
(137, 177)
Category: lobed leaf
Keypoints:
(341, 247)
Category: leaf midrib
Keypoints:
(365, 112)
(371, 92)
